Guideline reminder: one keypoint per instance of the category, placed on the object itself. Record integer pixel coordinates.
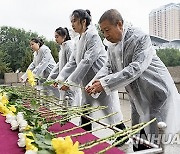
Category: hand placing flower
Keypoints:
(64, 88)
(95, 88)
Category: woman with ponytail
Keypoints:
(87, 59)
(63, 39)
(43, 61)
(41, 66)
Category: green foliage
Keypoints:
(4, 66)
(26, 60)
(15, 42)
(15, 52)
(100, 32)
(170, 57)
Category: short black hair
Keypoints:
(112, 15)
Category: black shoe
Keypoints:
(122, 127)
(140, 147)
(84, 121)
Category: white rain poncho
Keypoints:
(42, 65)
(87, 59)
(150, 87)
(64, 54)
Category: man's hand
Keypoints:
(55, 85)
(21, 80)
(95, 88)
(64, 88)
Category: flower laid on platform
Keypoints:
(6, 110)
(12, 108)
(31, 78)
(10, 117)
(34, 118)
(29, 145)
(65, 146)
(26, 140)
(14, 125)
(3, 98)
(4, 107)
(22, 140)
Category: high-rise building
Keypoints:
(164, 22)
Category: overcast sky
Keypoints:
(44, 16)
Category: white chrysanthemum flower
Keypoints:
(22, 140)
(22, 125)
(30, 152)
(20, 117)
(14, 125)
(9, 118)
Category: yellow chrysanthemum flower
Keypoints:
(4, 99)
(29, 134)
(4, 110)
(28, 127)
(30, 146)
(31, 79)
(65, 146)
(12, 108)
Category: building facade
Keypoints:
(160, 43)
(164, 22)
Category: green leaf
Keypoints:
(34, 104)
(45, 152)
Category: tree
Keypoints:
(99, 32)
(26, 60)
(14, 43)
(170, 57)
(4, 67)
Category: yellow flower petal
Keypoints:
(65, 146)
(31, 79)
(12, 108)
(4, 99)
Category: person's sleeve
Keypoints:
(142, 57)
(67, 69)
(90, 56)
(54, 73)
(104, 71)
(44, 62)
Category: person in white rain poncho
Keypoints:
(136, 66)
(66, 47)
(87, 59)
(43, 63)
